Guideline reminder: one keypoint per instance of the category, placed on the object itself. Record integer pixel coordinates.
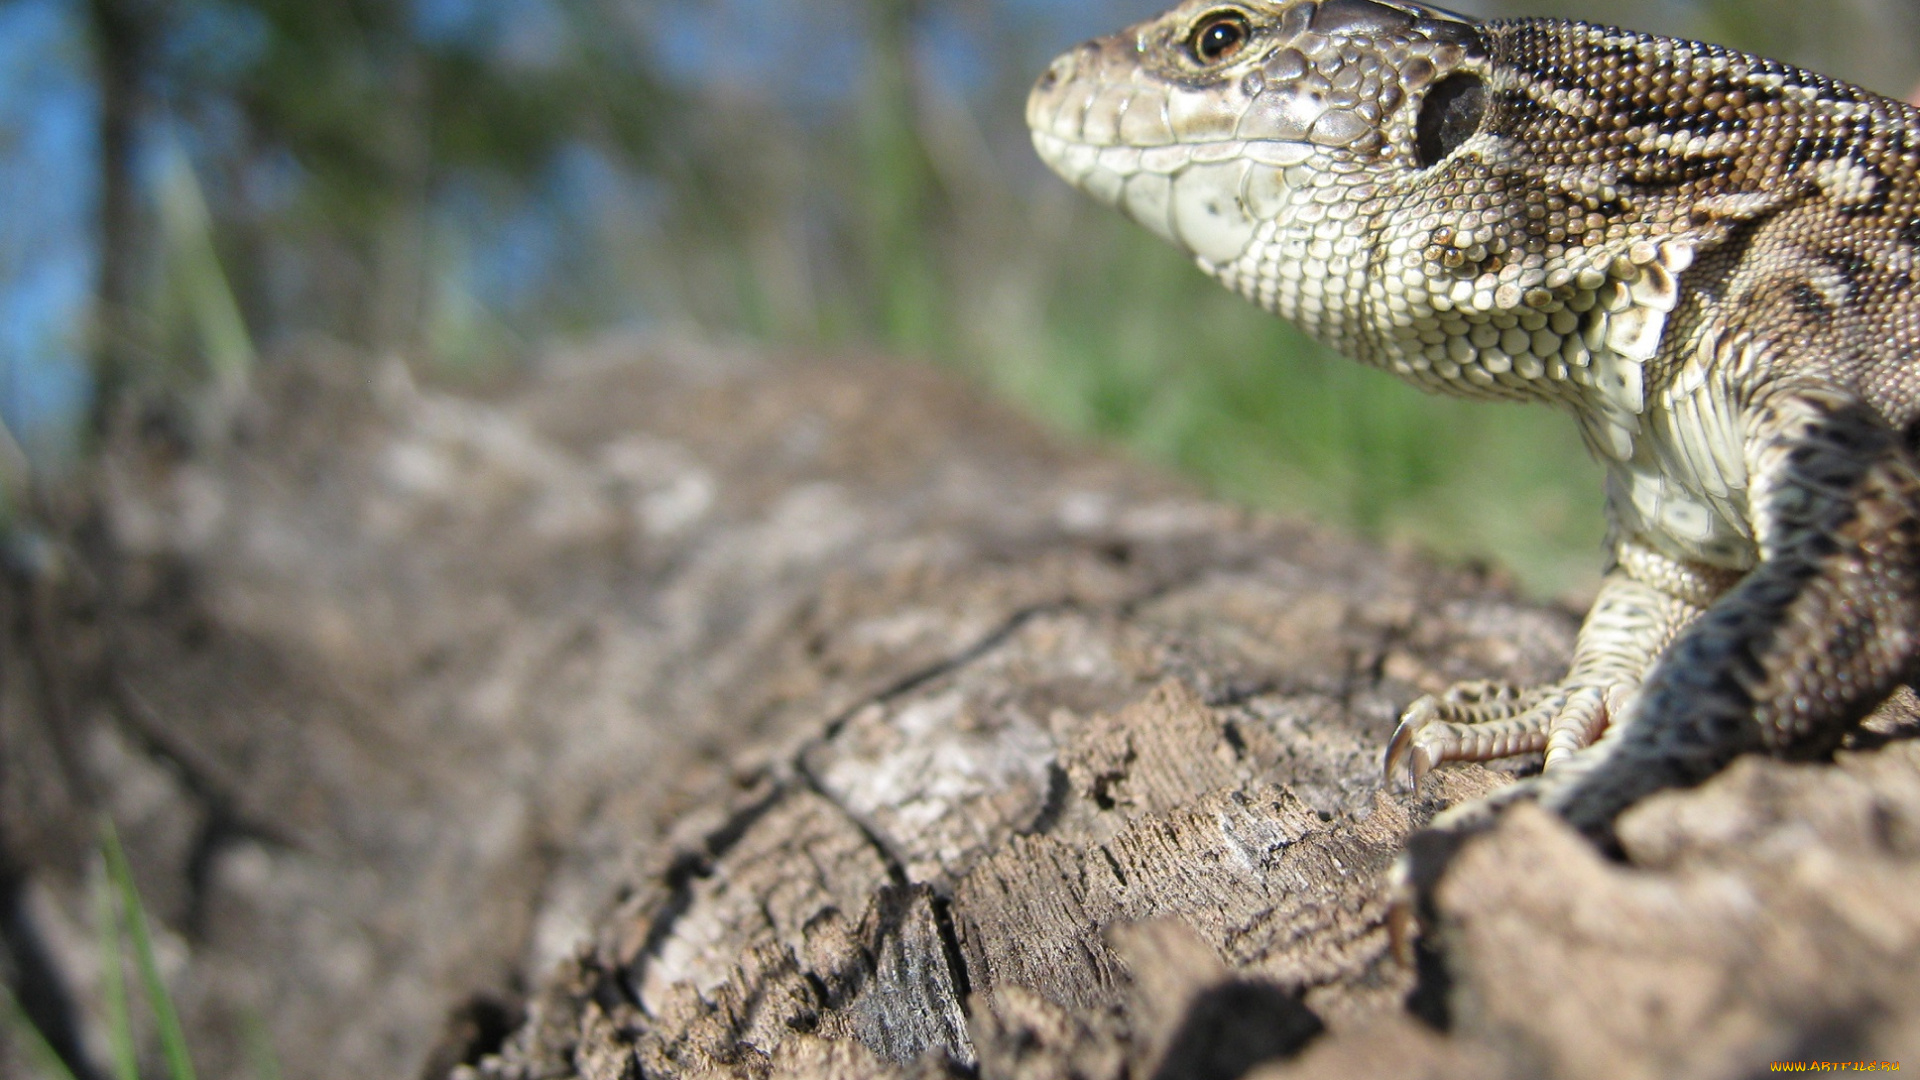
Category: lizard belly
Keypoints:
(1684, 489)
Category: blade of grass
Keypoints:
(113, 982)
(38, 1050)
(173, 1039)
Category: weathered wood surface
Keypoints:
(679, 712)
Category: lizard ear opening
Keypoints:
(1449, 115)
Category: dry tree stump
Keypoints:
(676, 711)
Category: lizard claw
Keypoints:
(1405, 750)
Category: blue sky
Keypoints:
(47, 185)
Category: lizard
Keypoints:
(1707, 258)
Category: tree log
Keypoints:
(681, 711)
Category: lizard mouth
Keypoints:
(1152, 155)
(1196, 161)
(1206, 124)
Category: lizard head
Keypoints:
(1236, 128)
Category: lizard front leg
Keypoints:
(1645, 601)
(1787, 661)
(1804, 647)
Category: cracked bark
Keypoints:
(682, 712)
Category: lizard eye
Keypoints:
(1448, 117)
(1218, 36)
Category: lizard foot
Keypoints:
(1485, 721)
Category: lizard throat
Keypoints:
(1266, 218)
(1209, 199)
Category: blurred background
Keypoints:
(192, 187)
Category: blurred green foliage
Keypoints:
(813, 173)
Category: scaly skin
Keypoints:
(1707, 258)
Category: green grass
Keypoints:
(125, 937)
(131, 934)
